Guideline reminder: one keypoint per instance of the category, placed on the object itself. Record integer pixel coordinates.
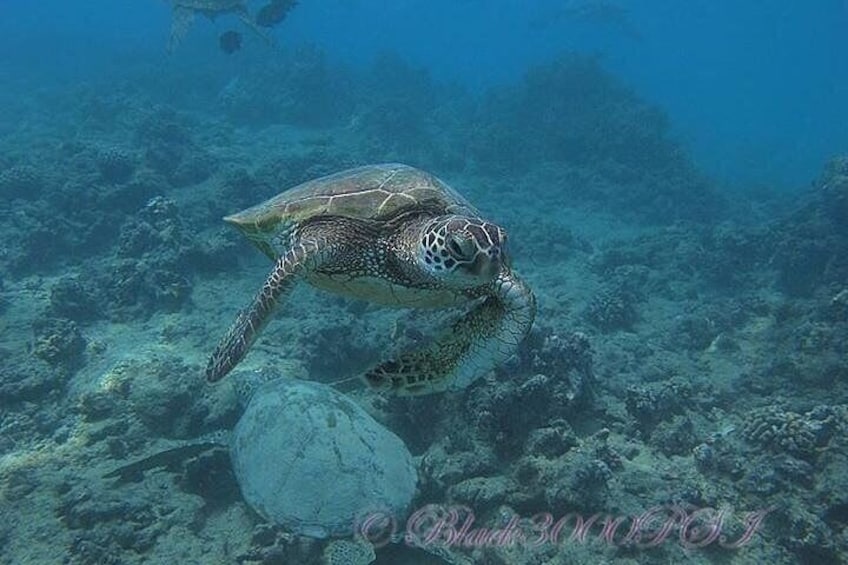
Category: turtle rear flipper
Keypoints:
(476, 343)
(250, 23)
(250, 322)
(170, 458)
(182, 19)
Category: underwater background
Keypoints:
(674, 180)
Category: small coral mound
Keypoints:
(551, 378)
(839, 306)
(115, 165)
(21, 181)
(809, 252)
(59, 342)
(73, 298)
(564, 358)
(150, 271)
(347, 552)
(652, 403)
(834, 188)
(800, 435)
(612, 309)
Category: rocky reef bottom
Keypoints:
(682, 395)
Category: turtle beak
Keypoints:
(486, 265)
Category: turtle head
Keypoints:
(462, 251)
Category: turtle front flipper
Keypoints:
(482, 339)
(250, 322)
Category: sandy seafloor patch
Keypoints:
(716, 345)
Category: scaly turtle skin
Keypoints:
(398, 236)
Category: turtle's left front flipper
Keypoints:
(475, 344)
(250, 322)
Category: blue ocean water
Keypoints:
(653, 369)
(756, 90)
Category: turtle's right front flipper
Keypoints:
(250, 322)
(475, 344)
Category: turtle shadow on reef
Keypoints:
(203, 469)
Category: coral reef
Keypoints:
(28, 383)
(299, 87)
(155, 255)
(21, 181)
(810, 245)
(800, 435)
(675, 437)
(106, 523)
(838, 308)
(170, 149)
(344, 552)
(612, 309)
(686, 355)
(270, 545)
(115, 165)
(74, 298)
(59, 342)
(591, 117)
(834, 192)
(552, 379)
(573, 113)
(654, 402)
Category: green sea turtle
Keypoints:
(284, 464)
(184, 12)
(398, 236)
